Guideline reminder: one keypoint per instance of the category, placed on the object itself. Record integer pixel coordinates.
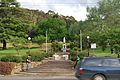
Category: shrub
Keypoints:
(49, 54)
(6, 68)
(9, 58)
(74, 53)
(38, 56)
(73, 45)
(34, 57)
(83, 54)
(56, 46)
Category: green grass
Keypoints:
(14, 52)
(99, 52)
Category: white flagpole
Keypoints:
(46, 41)
(80, 40)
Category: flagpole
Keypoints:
(46, 41)
(80, 40)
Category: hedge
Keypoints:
(6, 68)
(10, 58)
(37, 56)
(74, 54)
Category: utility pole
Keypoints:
(80, 40)
(46, 41)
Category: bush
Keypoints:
(6, 68)
(37, 56)
(34, 57)
(49, 54)
(10, 58)
(56, 46)
(74, 53)
(83, 54)
(73, 45)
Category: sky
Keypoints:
(75, 8)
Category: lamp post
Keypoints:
(88, 37)
(29, 38)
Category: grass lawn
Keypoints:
(99, 52)
(14, 52)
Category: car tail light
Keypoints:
(81, 71)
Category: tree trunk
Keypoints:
(4, 44)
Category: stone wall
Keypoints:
(22, 66)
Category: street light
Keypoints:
(29, 38)
(88, 37)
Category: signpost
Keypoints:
(93, 45)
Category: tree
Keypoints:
(104, 20)
(39, 39)
(55, 28)
(9, 3)
(18, 43)
(13, 23)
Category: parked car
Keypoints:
(98, 68)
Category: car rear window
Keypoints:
(111, 62)
(93, 62)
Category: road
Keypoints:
(36, 78)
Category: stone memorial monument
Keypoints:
(64, 46)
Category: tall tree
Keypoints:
(13, 23)
(9, 3)
(104, 18)
(54, 26)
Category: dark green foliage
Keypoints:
(73, 45)
(10, 58)
(73, 55)
(56, 46)
(116, 48)
(39, 39)
(55, 28)
(49, 54)
(38, 56)
(83, 54)
(76, 52)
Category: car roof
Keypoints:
(106, 57)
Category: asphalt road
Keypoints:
(36, 78)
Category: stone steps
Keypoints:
(52, 68)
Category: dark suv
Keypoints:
(98, 68)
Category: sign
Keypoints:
(93, 45)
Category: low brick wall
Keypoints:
(22, 66)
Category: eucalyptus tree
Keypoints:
(105, 20)
(55, 28)
(13, 21)
(9, 3)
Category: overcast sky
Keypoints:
(75, 8)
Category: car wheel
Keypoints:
(99, 77)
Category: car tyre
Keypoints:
(99, 77)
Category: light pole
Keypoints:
(29, 38)
(80, 40)
(46, 42)
(88, 37)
